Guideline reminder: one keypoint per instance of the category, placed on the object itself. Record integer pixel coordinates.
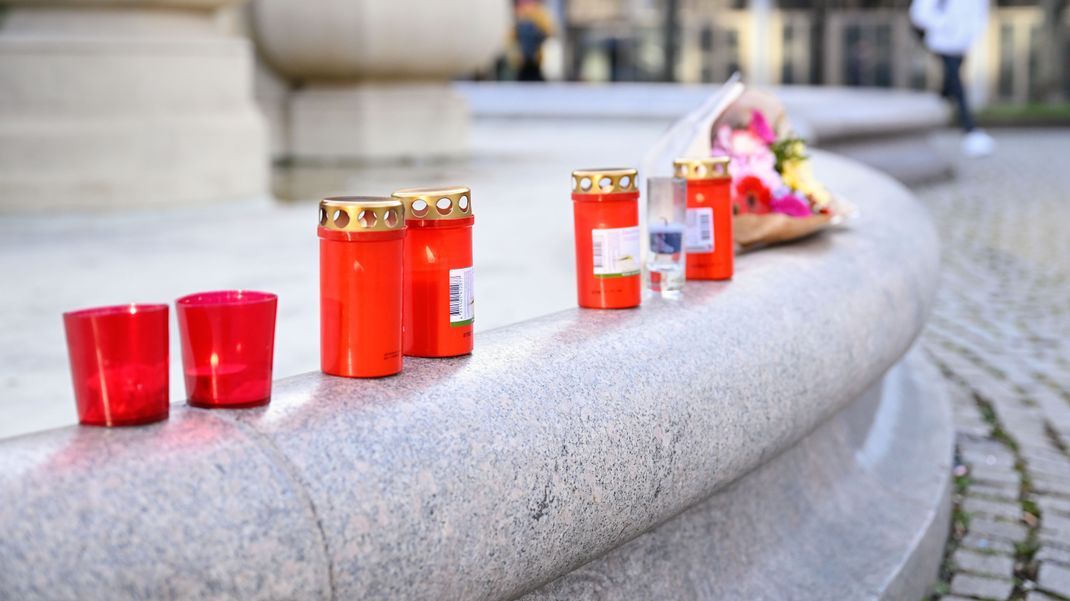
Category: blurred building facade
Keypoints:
(1022, 57)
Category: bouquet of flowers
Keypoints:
(775, 195)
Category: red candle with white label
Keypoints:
(605, 206)
(708, 238)
(439, 299)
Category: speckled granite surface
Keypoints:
(190, 508)
(558, 440)
(858, 510)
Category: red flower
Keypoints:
(751, 195)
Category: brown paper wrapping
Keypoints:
(773, 228)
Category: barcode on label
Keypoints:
(700, 230)
(455, 296)
(462, 300)
(599, 244)
(705, 228)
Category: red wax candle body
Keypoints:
(361, 288)
(228, 342)
(438, 314)
(119, 364)
(607, 242)
(710, 250)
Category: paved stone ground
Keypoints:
(1001, 334)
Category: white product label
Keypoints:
(616, 252)
(462, 301)
(700, 230)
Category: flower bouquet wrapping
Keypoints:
(775, 196)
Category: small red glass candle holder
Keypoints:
(119, 364)
(228, 342)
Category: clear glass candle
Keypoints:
(666, 224)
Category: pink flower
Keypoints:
(752, 165)
(749, 155)
(760, 128)
(791, 204)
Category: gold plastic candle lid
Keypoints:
(701, 167)
(605, 181)
(361, 214)
(451, 202)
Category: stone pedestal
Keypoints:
(377, 122)
(369, 80)
(145, 103)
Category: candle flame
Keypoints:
(214, 361)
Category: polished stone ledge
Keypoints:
(859, 509)
(559, 440)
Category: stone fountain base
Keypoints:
(372, 122)
(125, 107)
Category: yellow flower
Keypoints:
(797, 176)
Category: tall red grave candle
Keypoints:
(439, 300)
(605, 206)
(710, 246)
(361, 249)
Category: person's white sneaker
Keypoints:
(977, 143)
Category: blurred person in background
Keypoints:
(534, 25)
(949, 28)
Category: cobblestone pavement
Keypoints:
(1001, 335)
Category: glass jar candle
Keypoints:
(666, 222)
(228, 346)
(119, 363)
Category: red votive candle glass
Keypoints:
(439, 304)
(119, 364)
(361, 256)
(228, 342)
(605, 206)
(709, 241)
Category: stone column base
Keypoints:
(376, 122)
(123, 118)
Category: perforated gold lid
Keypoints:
(361, 214)
(701, 167)
(605, 180)
(447, 202)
